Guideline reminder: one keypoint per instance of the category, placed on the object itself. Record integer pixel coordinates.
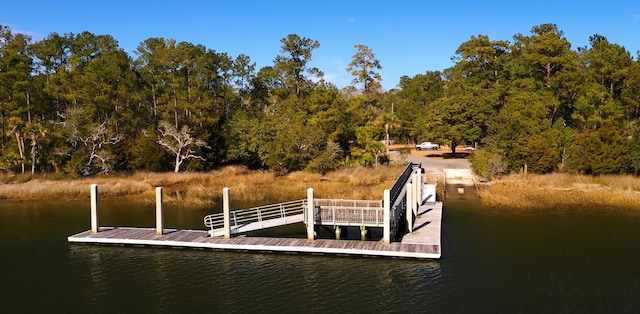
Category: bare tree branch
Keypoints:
(179, 143)
(95, 141)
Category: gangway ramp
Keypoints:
(256, 218)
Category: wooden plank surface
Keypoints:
(196, 238)
(427, 226)
(424, 242)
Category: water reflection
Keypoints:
(494, 260)
(239, 281)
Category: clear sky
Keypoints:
(408, 37)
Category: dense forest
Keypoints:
(79, 105)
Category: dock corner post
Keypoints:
(386, 203)
(159, 212)
(415, 184)
(411, 205)
(226, 209)
(419, 189)
(311, 216)
(94, 208)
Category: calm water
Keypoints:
(493, 261)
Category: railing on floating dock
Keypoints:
(365, 213)
(255, 218)
(408, 198)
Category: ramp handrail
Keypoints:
(399, 184)
(246, 216)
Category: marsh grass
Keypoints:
(558, 190)
(195, 189)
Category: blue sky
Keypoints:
(408, 37)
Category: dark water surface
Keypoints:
(580, 260)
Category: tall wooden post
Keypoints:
(226, 209)
(386, 217)
(419, 187)
(94, 208)
(414, 186)
(311, 217)
(411, 205)
(431, 193)
(159, 212)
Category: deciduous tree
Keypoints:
(180, 143)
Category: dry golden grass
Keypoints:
(194, 189)
(555, 190)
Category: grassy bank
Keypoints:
(193, 189)
(560, 190)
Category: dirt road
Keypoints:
(433, 159)
(457, 171)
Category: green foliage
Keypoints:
(363, 67)
(147, 155)
(603, 151)
(542, 155)
(79, 104)
(634, 152)
(248, 137)
(292, 63)
(488, 164)
(328, 160)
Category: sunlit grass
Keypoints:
(192, 189)
(557, 190)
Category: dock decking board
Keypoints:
(423, 243)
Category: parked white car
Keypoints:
(427, 146)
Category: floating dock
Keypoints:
(409, 200)
(423, 243)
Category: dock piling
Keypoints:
(414, 189)
(94, 208)
(386, 217)
(411, 206)
(431, 193)
(310, 215)
(419, 183)
(159, 212)
(226, 209)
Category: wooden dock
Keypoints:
(402, 200)
(423, 243)
(427, 226)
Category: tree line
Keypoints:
(532, 102)
(78, 104)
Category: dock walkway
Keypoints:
(422, 243)
(427, 226)
(409, 198)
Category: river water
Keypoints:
(565, 260)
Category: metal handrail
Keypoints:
(350, 212)
(399, 184)
(246, 216)
(325, 211)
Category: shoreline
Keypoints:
(517, 192)
(197, 189)
(552, 191)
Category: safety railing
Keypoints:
(325, 211)
(348, 212)
(401, 181)
(243, 217)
